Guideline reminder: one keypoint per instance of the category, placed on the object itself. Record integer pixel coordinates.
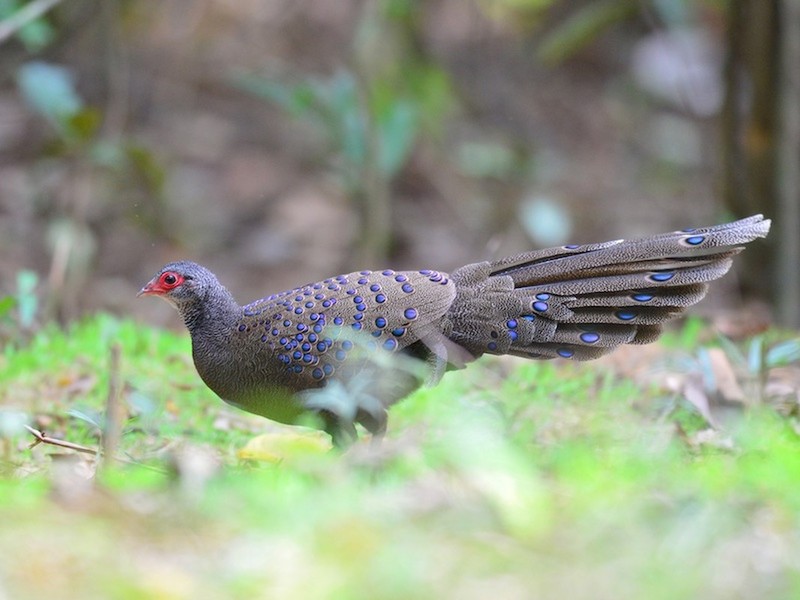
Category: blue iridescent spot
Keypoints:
(511, 324)
(301, 327)
(314, 317)
(390, 344)
(306, 347)
(350, 292)
(380, 298)
(340, 355)
(363, 281)
(298, 310)
(380, 322)
(410, 314)
(317, 286)
(543, 296)
(275, 331)
(317, 373)
(283, 358)
(242, 327)
(333, 287)
(308, 359)
(425, 272)
(642, 297)
(695, 240)
(589, 337)
(287, 323)
(338, 320)
(625, 315)
(571, 246)
(318, 328)
(312, 337)
(309, 305)
(688, 230)
(375, 288)
(299, 337)
(283, 341)
(539, 306)
(298, 298)
(328, 369)
(513, 335)
(322, 347)
(492, 346)
(326, 304)
(565, 352)
(347, 345)
(407, 288)
(358, 300)
(297, 355)
(364, 272)
(388, 272)
(401, 278)
(297, 369)
(377, 333)
(529, 317)
(264, 338)
(662, 276)
(361, 307)
(319, 296)
(357, 326)
(398, 331)
(436, 277)
(358, 316)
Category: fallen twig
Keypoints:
(42, 438)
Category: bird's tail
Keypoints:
(582, 301)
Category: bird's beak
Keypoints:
(148, 289)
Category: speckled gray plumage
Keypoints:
(575, 302)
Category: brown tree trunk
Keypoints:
(760, 143)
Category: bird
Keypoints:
(346, 348)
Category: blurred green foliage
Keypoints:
(35, 34)
(370, 113)
(19, 311)
(97, 167)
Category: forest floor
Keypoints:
(511, 479)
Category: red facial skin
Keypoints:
(162, 285)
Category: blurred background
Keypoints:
(283, 141)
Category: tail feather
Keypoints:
(582, 301)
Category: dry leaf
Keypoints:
(694, 392)
(725, 376)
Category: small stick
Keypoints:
(113, 423)
(42, 438)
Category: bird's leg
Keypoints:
(342, 432)
(374, 423)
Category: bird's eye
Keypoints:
(170, 279)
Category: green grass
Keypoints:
(509, 480)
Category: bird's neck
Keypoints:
(214, 316)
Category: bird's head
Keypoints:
(182, 284)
